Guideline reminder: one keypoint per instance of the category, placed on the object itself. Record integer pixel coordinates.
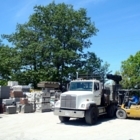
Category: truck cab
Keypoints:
(80, 93)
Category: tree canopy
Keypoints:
(130, 70)
(50, 46)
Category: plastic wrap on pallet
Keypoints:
(4, 92)
(38, 106)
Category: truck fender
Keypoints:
(93, 105)
(88, 104)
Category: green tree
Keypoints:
(130, 70)
(51, 43)
(8, 63)
(93, 66)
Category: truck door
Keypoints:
(97, 93)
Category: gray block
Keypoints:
(11, 109)
(28, 108)
(16, 99)
(45, 106)
(8, 101)
(4, 92)
(45, 110)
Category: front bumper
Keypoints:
(69, 113)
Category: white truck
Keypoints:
(85, 99)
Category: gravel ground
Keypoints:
(46, 126)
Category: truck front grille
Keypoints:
(68, 101)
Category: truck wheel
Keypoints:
(121, 114)
(111, 111)
(64, 119)
(91, 116)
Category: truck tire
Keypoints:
(111, 111)
(64, 119)
(121, 114)
(91, 116)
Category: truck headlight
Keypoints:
(82, 105)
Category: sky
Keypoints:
(118, 22)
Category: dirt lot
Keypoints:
(46, 126)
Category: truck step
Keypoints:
(102, 113)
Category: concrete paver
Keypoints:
(46, 126)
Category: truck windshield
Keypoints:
(81, 86)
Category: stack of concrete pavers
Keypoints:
(42, 102)
(46, 86)
(9, 106)
(45, 104)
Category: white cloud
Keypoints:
(83, 3)
(27, 7)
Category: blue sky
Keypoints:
(118, 22)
